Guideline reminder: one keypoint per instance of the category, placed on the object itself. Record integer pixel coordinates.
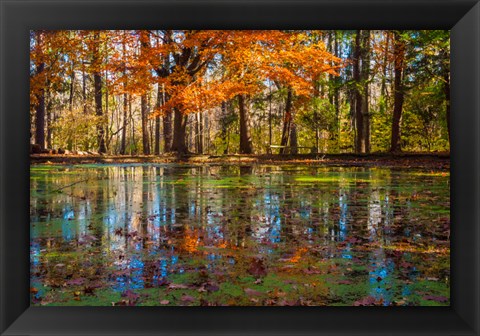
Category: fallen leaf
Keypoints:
(75, 282)
(257, 268)
(177, 286)
(441, 299)
(187, 299)
(250, 291)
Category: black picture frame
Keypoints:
(17, 17)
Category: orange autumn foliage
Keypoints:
(133, 61)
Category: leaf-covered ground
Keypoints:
(170, 234)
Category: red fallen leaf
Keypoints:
(257, 268)
(436, 298)
(379, 279)
(33, 290)
(164, 302)
(344, 282)
(250, 291)
(163, 282)
(288, 303)
(131, 297)
(211, 287)
(366, 301)
(187, 299)
(122, 272)
(75, 282)
(311, 271)
(96, 284)
(353, 240)
(406, 264)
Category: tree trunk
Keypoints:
(365, 142)
(97, 79)
(359, 141)
(199, 131)
(179, 132)
(446, 91)
(99, 112)
(270, 119)
(157, 120)
(224, 130)
(107, 126)
(144, 109)
(40, 106)
(399, 55)
(336, 96)
(84, 89)
(144, 46)
(48, 112)
(167, 131)
(72, 85)
(245, 138)
(123, 145)
(383, 88)
(293, 138)
(287, 122)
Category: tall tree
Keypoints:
(245, 137)
(357, 78)
(145, 50)
(365, 141)
(287, 122)
(97, 79)
(40, 96)
(123, 145)
(399, 60)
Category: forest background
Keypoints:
(218, 92)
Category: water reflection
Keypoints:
(148, 223)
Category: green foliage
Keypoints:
(75, 130)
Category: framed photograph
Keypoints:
(240, 167)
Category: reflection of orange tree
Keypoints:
(298, 255)
(191, 240)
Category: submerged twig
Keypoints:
(72, 184)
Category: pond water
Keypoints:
(171, 234)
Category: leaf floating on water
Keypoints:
(187, 299)
(212, 287)
(177, 286)
(253, 292)
(75, 282)
(257, 268)
(311, 270)
(441, 299)
(131, 297)
(366, 301)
